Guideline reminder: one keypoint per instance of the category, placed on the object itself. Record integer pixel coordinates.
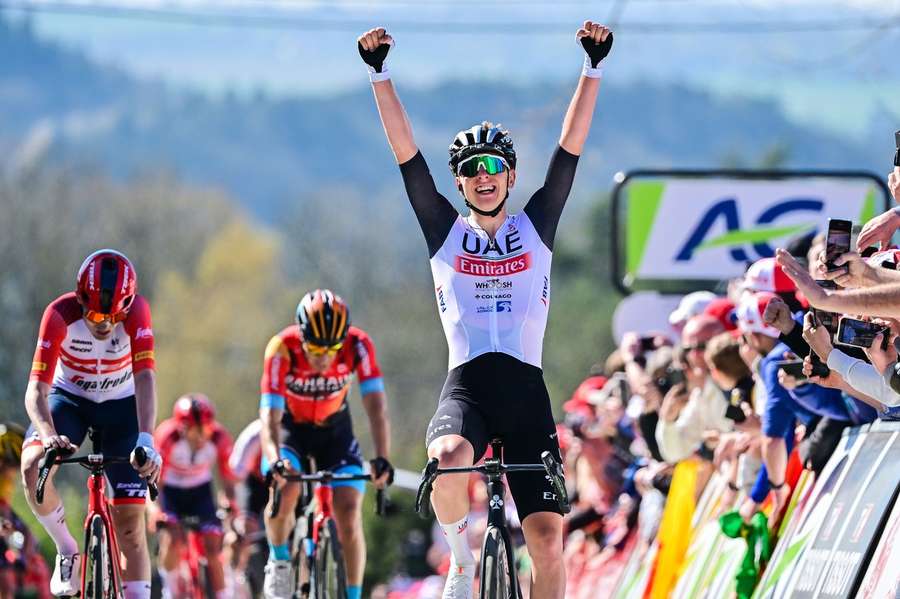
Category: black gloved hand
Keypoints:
(597, 52)
(375, 58)
(380, 465)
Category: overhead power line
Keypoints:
(297, 22)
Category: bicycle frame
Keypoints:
(98, 506)
(195, 552)
(324, 510)
(497, 513)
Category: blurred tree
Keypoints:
(212, 324)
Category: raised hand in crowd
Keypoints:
(818, 337)
(894, 183)
(832, 381)
(882, 359)
(853, 271)
(806, 284)
(879, 230)
(778, 315)
(674, 401)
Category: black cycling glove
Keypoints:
(380, 465)
(597, 52)
(375, 58)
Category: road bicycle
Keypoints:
(101, 577)
(317, 558)
(497, 567)
(192, 579)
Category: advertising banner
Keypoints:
(831, 564)
(677, 231)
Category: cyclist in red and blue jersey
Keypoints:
(304, 412)
(491, 274)
(94, 369)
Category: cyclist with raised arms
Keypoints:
(94, 368)
(305, 384)
(491, 274)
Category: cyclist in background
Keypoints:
(94, 368)
(22, 568)
(252, 495)
(491, 274)
(304, 411)
(191, 442)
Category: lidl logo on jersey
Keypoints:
(710, 228)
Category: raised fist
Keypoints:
(596, 40)
(374, 46)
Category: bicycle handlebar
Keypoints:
(94, 462)
(549, 465)
(322, 476)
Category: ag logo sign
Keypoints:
(678, 231)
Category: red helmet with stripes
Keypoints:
(323, 317)
(106, 283)
(194, 409)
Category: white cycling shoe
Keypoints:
(66, 578)
(459, 583)
(277, 584)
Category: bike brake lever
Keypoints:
(380, 502)
(140, 456)
(557, 479)
(423, 495)
(50, 457)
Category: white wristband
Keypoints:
(144, 440)
(592, 72)
(375, 76)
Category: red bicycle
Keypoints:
(101, 577)
(318, 560)
(192, 581)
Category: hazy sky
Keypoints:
(749, 47)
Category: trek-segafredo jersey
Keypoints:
(493, 295)
(70, 359)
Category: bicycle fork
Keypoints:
(97, 506)
(497, 519)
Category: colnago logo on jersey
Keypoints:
(317, 385)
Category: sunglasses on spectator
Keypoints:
(321, 350)
(696, 346)
(492, 165)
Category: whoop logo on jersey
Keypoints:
(492, 268)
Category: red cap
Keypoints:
(580, 403)
(723, 310)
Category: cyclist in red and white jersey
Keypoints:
(94, 369)
(252, 495)
(491, 273)
(305, 384)
(191, 443)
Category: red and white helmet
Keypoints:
(194, 409)
(106, 283)
(750, 314)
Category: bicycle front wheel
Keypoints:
(99, 566)
(496, 567)
(330, 576)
